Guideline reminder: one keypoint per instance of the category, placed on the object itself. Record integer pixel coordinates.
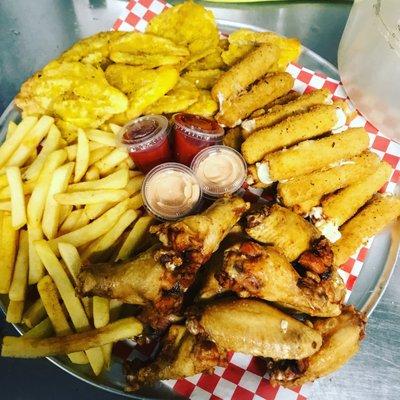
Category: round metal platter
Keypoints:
(366, 293)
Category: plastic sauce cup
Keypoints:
(171, 191)
(193, 133)
(220, 170)
(146, 140)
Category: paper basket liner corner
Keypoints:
(245, 377)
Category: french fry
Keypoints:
(101, 311)
(72, 149)
(134, 184)
(19, 281)
(51, 144)
(103, 137)
(18, 213)
(14, 311)
(92, 174)
(91, 196)
(31, 141)
(30, 159)
(115, 310)
(49, 295)
(8, 250)
(41, 330)
(34, 314)
(64, 212)
(71, 258)
(51, 215)
(3, 181)
(92, 231)
(36, 269)
(37, 201)
(87, 305)
(5, 205)
(136, 201)
(82, 156)
(117, 180)
(115, 128)
(8, 148)
(139, 230)
(132, 174)
(71, 301)
(108, 240)
(107, 163)
(12, 126)
(94, 211)
(72, 220)
(23, 347)
(98, 154)
(27, 187)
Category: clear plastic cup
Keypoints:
(146, 140)
(171, 191)
(220, 170)
(193, 133)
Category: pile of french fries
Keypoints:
(61, 206)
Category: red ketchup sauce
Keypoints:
(193, 133)
(146, 139)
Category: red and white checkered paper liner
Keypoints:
(245, 377)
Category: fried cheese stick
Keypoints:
(286, 98)
(265, 90)
(252, 67)
(365, 224)
(280, 112)
(282, 228)
(337, 208)
(316, 121)
(327, 181)
(309, 156)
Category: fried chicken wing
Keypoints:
(136, 281)
(196, 237)
(251, 270)
(341, 338)
(182, 355)
(283, 228)
(253, 327)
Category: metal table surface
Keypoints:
(33, 32)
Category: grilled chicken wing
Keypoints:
(341, 338)
(252, 270)
(253, 327)
(182, 355)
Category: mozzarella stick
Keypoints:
(319, 183)
(245, 72)
(282, 228)
(292, 130)
(337, 208)
(310, 156)
(280, 112)
(365, 224)
(270, 87)
(304, 207)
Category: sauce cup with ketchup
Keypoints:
(220, 170)
(193, 133)
(146, 140)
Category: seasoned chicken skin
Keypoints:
(254, 327)
(182, 355)
(341, 337)
(252, 270)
